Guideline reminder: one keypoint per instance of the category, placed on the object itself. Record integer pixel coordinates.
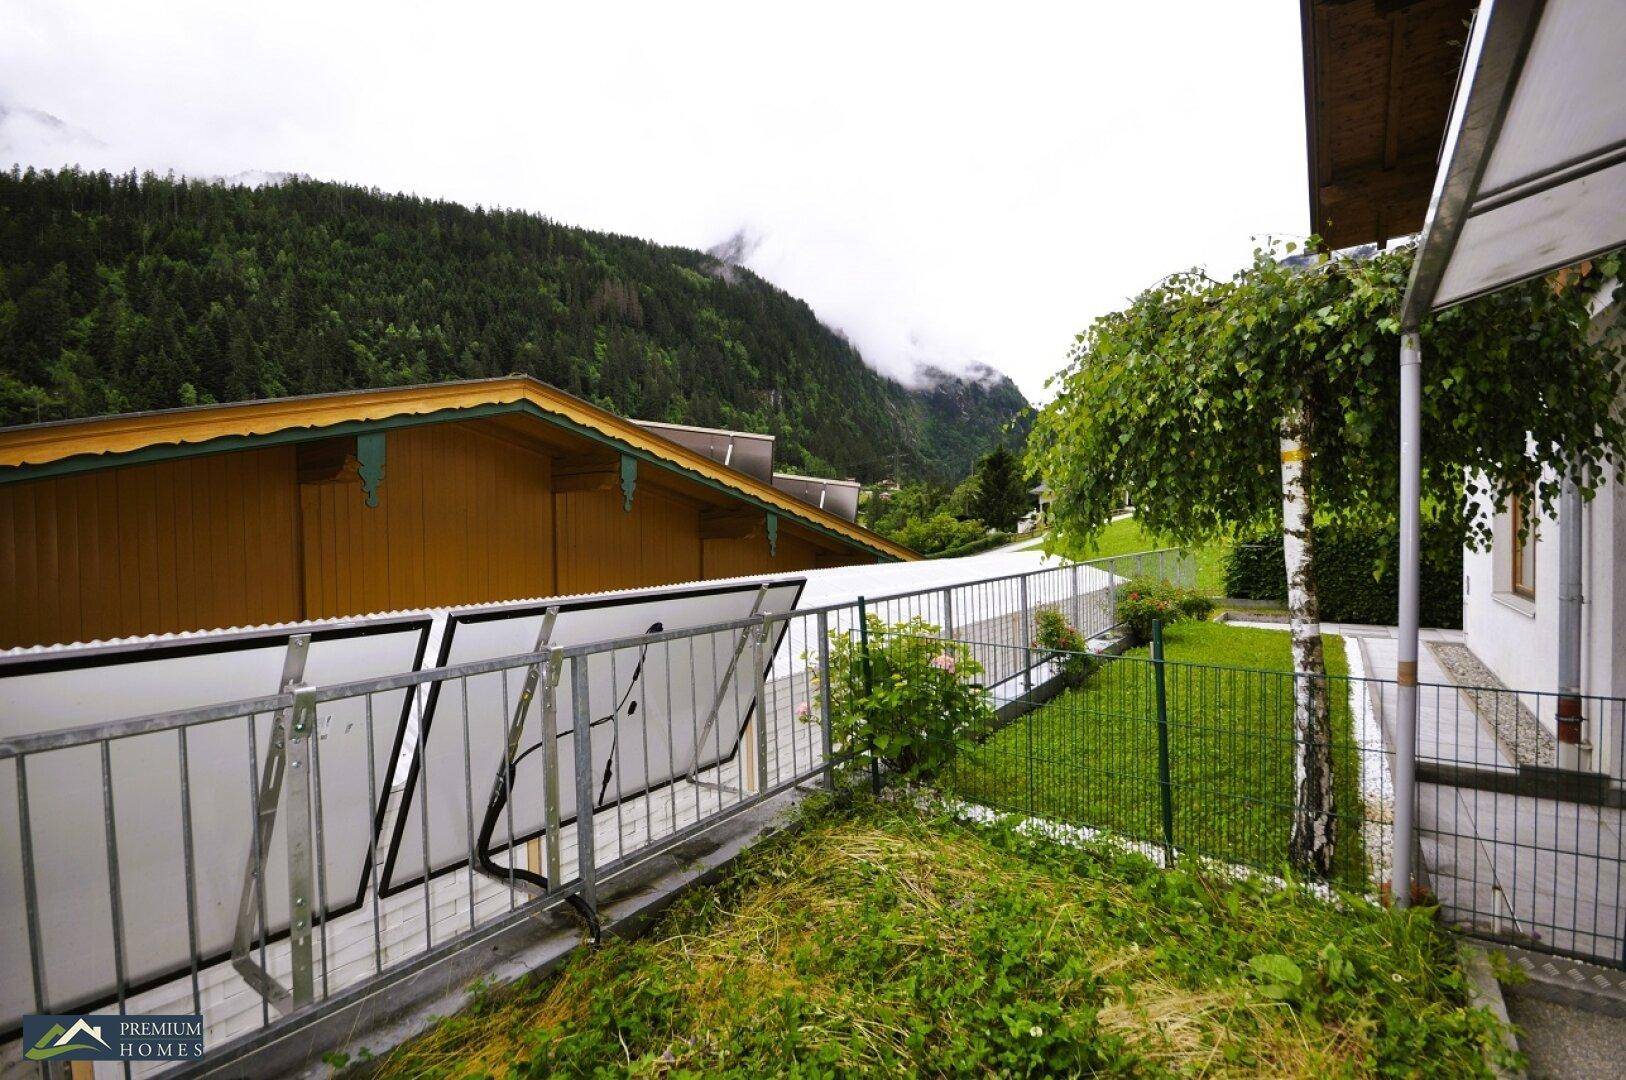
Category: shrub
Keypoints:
(922, 698)
(1055, 633)
(940, 532)
(1145, 600)
(1347, 586)
(1194, 605)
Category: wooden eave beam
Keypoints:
(731, 524)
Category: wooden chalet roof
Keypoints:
(37, 450)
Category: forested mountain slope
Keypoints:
(120, 293)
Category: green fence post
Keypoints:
(1028, 720)
(1164, 783)
(869, 688)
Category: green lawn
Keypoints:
(1090, 757)
(1125, 537)
(879, 939)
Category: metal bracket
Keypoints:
(550, 763)
(629, 480)
(728, 677)
(281, 759)
(370, 455)
(759, 720)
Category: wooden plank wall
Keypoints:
(198, 543)
(603, 546)
(462, 518)
(749, 556)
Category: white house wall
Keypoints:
(1518, 638)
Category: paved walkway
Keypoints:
(1545, 870)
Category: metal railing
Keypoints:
(1181, 758)
(1198, 759)
(551, 773)
(544, 776)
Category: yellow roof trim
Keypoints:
(43, 444)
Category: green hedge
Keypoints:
(976, 547)
(1256, 570)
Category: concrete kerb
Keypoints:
(1485, 992)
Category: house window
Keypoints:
(1524, 546)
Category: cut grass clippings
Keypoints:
(1090, 756)
(880, 939)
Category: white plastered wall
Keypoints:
(1518, 638)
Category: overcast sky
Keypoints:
(941, 183)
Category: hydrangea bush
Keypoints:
(922, 700)
(1145, 600)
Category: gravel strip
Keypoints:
(1515, 727)
(1563, 1041)
(1377, 786)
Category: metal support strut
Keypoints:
(287, 757)
(740, 642)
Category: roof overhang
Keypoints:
(1378, 77)
(36, 451)
(1533, 176)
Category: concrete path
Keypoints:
(1545, 870)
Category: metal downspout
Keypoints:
(1405, 733)
(1570, 722)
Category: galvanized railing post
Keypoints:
(31, 904)
(1078, 606)
(869, 677)
(824, 701)
(948, 612)
(1027, 637)
(582, 730)
(1112, 593)
(760, 670)
(1164, 781)
(553, 842)
(301, 859)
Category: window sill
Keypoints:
(1514, 602)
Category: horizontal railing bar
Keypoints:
(166, 721)
(39, 742)
(362, 687)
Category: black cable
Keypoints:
(503, 788)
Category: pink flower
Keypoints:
(943, 662)
(803, 711)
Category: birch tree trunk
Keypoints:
(1312, 843)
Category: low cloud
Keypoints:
(34, 136)
(946, 189)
